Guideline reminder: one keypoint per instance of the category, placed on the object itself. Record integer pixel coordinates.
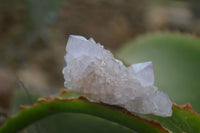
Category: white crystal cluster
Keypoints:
(93, 71)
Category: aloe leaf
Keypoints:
(176, 62)
(49, 106)
(183, 120)
(62, 122)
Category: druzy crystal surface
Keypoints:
(93, 71)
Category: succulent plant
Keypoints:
(72, 112)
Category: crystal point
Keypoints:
(93, 71)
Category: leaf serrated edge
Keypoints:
(186, 107)
(51, 105)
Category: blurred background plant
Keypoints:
(33, 36)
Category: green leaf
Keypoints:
(63, 122)
(52, 105)
(176, 62)
(184, 119)
(77, 113)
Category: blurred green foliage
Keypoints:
(176, 62)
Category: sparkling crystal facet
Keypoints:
(93, 71)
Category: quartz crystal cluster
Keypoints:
(93, 71)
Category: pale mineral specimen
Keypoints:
(93, 71)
